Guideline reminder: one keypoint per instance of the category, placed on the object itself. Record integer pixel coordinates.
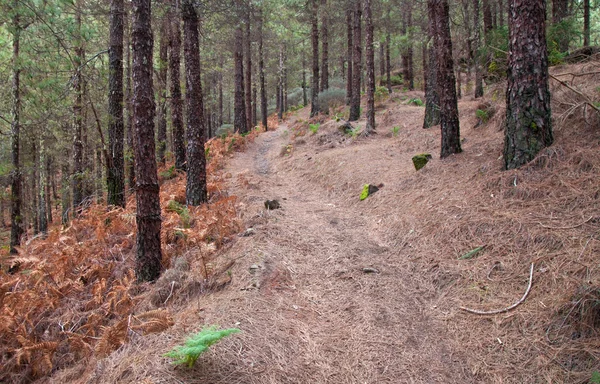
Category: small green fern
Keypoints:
(196, 344)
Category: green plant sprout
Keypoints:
(395, 130)
(197, 344)
(314, 128)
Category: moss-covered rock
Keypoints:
(419, 161)
(368, 190)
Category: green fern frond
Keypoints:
(196, 344)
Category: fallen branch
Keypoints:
(571, 227)
(515, 305)
(587, 101)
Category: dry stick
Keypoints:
(515, 305)
(572, 227)
(577, 92)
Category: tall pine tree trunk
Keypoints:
(324, 47)
(16, 216)
(149, 253)
(476, 49)
(314, 97)
(196, 192)
(388, 62)
(586, 23)
(176, 98)
(528, 117)
(42, 196)
(161, 131)
(439, 12)
(239, 114)
(128, 106)
(432, 100)
(115, 180)
(356, 63)
(350, 46)
(78, 166)
(560, 12)
(261, 70)
(370, 62)
(248, 72)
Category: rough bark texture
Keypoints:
(128, 106)
(388, 62)
(350, 45)
(476, 47)
(16, 218)
(161, 128)
(500, 13)
(487, 18)
(115, 178)
(239, 114)
(78, 171)
(382, 61)
(439, 13)
(280, 98)
(49, 185)
(586, 23)
(261, 69)
(149, 254)
(528, 118)
(356, 63)
(370, 62)
(176, 99)
(324, 47)
(407, 57)
(248, 73)
(314, 94)
(42, 196)
(195, 190)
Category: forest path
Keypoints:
(309, 310)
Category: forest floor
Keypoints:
(331, 289)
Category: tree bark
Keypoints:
(370, 62)
(350, 46)
(324, 47)
(432, 100)
(128, 105)
(78, 171)
(586, 23)
(161, 131)
(196, 192)
(439, 12)
(476, 49)
(388, 62)
(176, 98)
(239, 118)
(16, 218)
(149, 254)
(560, 11)
(381, 61)
(115, 180)
(487, 19)
(314, 97)
(42, 196)
(49, 184)
(220, 85)
(248, 73)
(500, 13)
(280, 102)
(356, 63)
(261, 69)
(528, 115)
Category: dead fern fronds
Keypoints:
(112, 337)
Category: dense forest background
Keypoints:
(63, 66)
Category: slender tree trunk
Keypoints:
(49, 184)
(261, 70)
(314, 99)
(381, 61)
(239, 118)
(65, 193)
(432, 100)
(439, 12)
(324, 47)
(586, 23)
(560, 12)
(350, 46)
(476, 49)
(99, 190)
(356, 63)
(16, 217)
(487, 19)
(528, 115)
(128, 106)
(501, 13)
(280, 103)
(304, 85)
(254, 104)
(34, 186)
(115, 180)
(176, 98)
(407, 57)
(285, 80)
(220, 85)
(248, 73)
(196, 192)
(163, 59)
(78, 169)
(43, 203)
(388, 62)
(370, 61)
(149, 253)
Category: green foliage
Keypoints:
(381, 93)
(416, 101)
(295, 98)
(555, 56)
(482, 115)
(331, 98)
(181, 210)
(471, 254)
(314, 128)
(395, 80)
(169, 173)
(395, 130)
(337, 117)
(365, 192)
(224, 130)
(197, 344)
(595, 379)
(496, 51)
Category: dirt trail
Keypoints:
(309, 312)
